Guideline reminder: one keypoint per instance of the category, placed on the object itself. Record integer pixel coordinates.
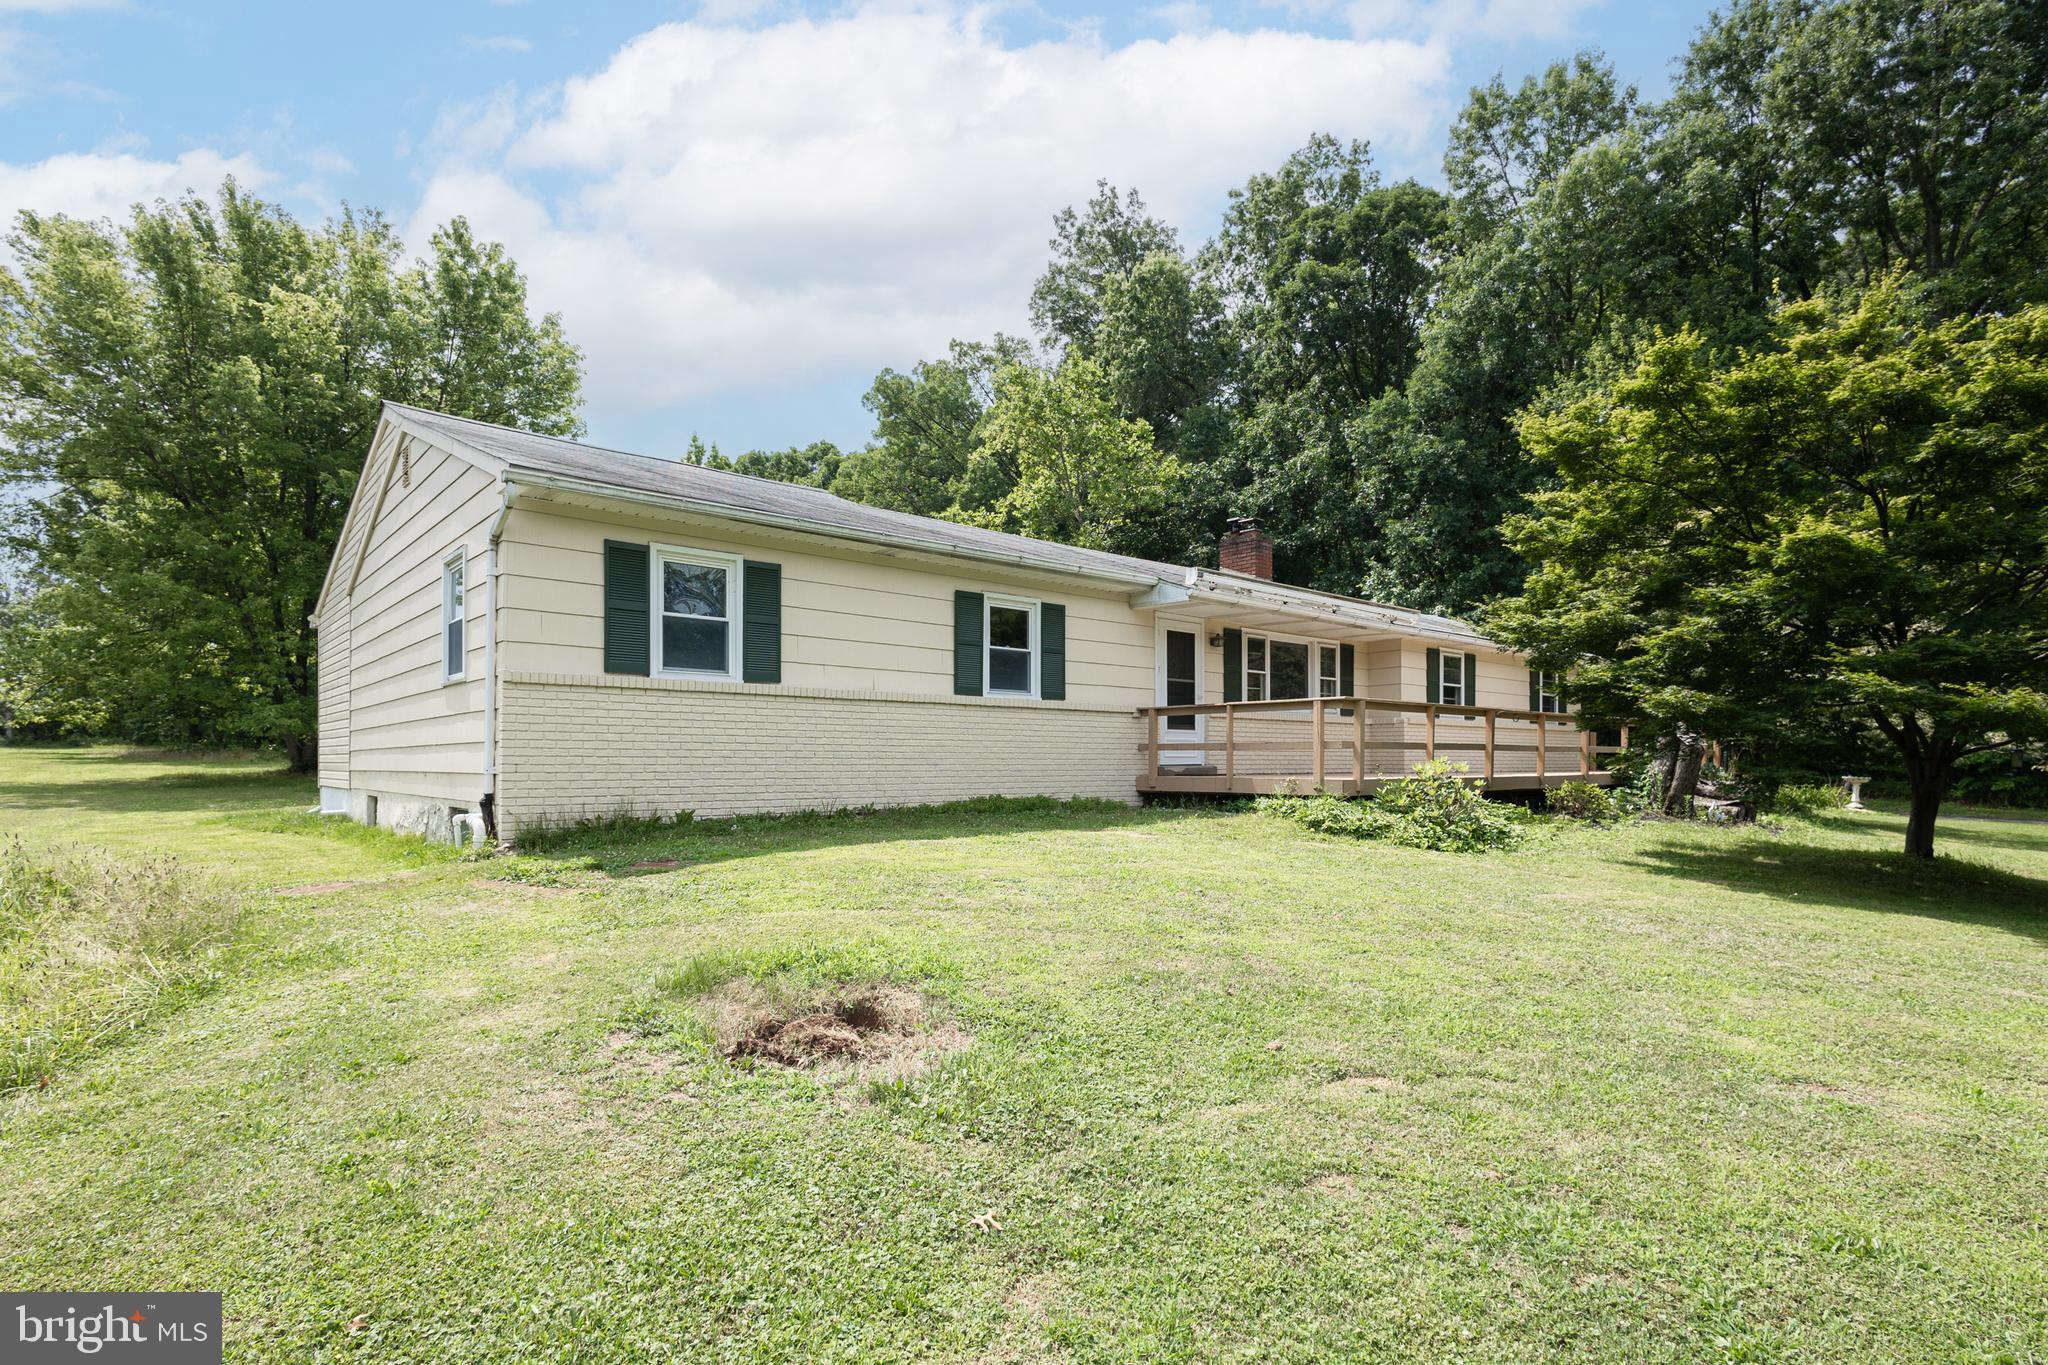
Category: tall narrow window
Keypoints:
(1546, 693)
(699, 609)
(1180, 676)
(1254, 668)
(1326, 670)
(1012, 647)
(1456, 686)
(1290, 668)
(454, 621)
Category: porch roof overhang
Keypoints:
(1250, 603)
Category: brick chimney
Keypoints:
(1246, 549)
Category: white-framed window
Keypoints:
(454, 619)
(1547, 698)
(1009, 635)
(1278, 669)
(697, 613)
(1328, 676)
(1457, 688)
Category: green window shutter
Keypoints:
(1347, 674)
(1535, 690)
(1433, 688)
(761, 624)
(1233, 664)
(967, 620)
(1471, 680)
(627, 606)
(1052, 651)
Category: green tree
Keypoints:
(1558, 240)
(1917, 130)
(1847, 529)
(927, 429)
(1507, 144)
(1090, 249)
(192, 396)
(816, 464)
(1084, 474)
(1328, 273)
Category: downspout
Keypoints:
(488, 806)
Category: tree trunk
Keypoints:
(1920, 822)
(302, 752)
(1685, 773)
(1930, 767)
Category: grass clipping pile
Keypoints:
(875, 1030)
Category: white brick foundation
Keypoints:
(577, 746)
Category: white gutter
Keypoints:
(491, 649)
(702, 507)
(1279, 597)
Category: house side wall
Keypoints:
(415, 742)
(852, 620)
(333, 659)
(332, 664)
(573, 746)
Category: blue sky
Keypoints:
(743, 210)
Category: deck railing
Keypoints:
(1350, 745)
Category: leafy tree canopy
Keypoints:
(189, 398)
(1849, 526)
(1081, 473)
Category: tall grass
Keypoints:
(91, 947)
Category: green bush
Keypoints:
(1584, 801)
(1807, 799)
(90, 948)
(1434, 809)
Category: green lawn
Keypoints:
(1233, 1091)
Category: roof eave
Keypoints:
(706, 508)
(1325, 606)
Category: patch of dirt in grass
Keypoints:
(1861, 1096)
(1848, 1094)
(1027, 1296)
(1362, 1085)
(1242, 1109)
(882, 1031)
(1335, 1185)
(534, 890)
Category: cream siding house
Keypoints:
(534, 630)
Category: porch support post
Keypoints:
(1151, 743)
(1316, 738)
(1429, 735)
(1585, 753)
(1357, 746)
(1542, 758)
(1489, 746)
(1230, 747)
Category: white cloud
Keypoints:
(1445, 20)
(496, 42)
(105, 184)
(725, 208)
(1183, 16)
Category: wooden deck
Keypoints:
(1352, 746)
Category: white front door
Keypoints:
(1180, 684)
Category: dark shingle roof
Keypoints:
(745, 496)
(741, 493)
